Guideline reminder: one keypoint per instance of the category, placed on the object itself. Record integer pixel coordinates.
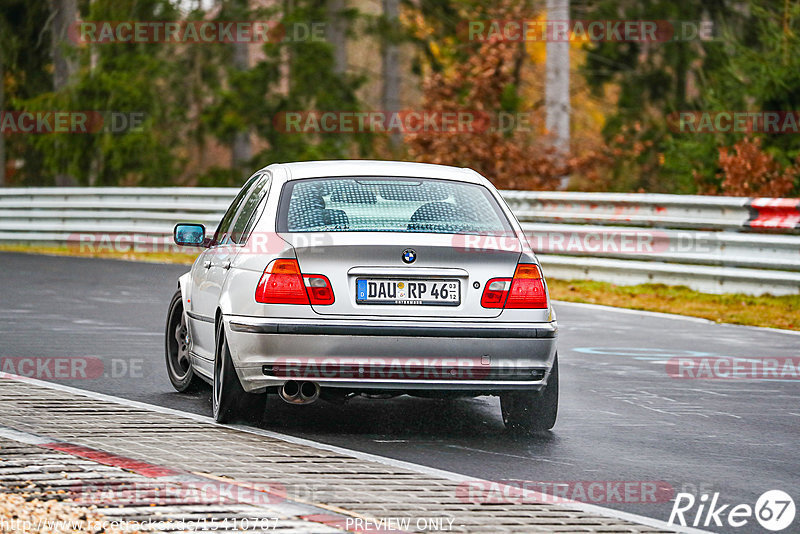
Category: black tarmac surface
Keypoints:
(622, 418)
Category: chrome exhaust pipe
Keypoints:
(309, 392)
(290, 391)
(295, 392)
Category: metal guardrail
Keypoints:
(653, 210)
(707, 243)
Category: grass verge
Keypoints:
(766, 310)
(184, 258)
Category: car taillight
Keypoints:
(319, 289)
(495, 292)
(283, 283)
(525, 290)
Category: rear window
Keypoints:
(389, 205)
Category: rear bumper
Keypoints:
(465, 356)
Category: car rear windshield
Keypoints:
(363, 204)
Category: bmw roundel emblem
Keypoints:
(409, 255)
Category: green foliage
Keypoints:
(254, 98)
(190, 95)
(690, 163)
(221, 177)
(25, 56)
(196, 98)
(24, 48)
(759, 72)
(765, 75)
(117, 78)
(752, 64)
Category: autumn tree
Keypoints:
(496, 80)
(747, 170)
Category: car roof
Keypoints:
(319, 169)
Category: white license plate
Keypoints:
(410, 292)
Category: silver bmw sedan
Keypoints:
(330, 279)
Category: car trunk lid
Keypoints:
(439, 260)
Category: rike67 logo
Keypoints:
(774, 510)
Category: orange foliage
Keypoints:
(516, 158)
(752, 172)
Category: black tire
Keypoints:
(176, 348)
(229, 401)
(532, 411)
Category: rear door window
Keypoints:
(247, 214)
(222, 234)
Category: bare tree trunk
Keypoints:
(241, 151)
(2, 135)
(64, 13)
(390, 91)
(557, 83)
(337, 34)
(286, 54)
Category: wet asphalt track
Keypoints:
(622, 417)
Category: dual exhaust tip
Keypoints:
(295, 392)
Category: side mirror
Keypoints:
(189, 235)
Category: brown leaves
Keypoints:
(507, 156)
(752, 172)
(496, 78)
